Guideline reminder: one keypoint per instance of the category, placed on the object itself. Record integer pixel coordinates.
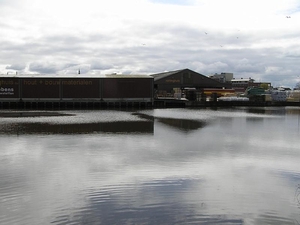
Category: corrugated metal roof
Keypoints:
(126, 76)
(159, 76)
(204, 81)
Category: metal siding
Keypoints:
(205, 82)
(39, 88)
(9, 88)
(173, 80)
(127, 88)
(47, 88)
(186, 78)
(110, 88)
(80, 88)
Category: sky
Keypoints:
(249, 38)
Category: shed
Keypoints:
(74, 88)
(167, 82)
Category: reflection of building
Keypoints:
(183, 124)
(120, 127)
(167, 83)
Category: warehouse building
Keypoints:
(76, 89)
(169, 83)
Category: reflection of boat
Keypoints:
(85, 128)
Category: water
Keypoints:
(161, 166)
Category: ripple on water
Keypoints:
(216, 174)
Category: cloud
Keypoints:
(173, 2)
(45, 67)
(16, 67)
(149, 36)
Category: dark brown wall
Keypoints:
(40, 88)
(76, 88)
(80, 88)
(9, 88)
(127, 88)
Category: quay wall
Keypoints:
(97, 92)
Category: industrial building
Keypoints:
(168, 83)
(222, 77)
(240, 85)
(76, 89)
(174, 88)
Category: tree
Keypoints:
(264, 86)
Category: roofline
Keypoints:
(172, 71)
(73, 76)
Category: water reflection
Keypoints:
(82, 128)
(21, 113)
(297, 196)
(154, 203)
(66, 122)
(272, 110)
(144, 126)
(109, 170)
(183, 124)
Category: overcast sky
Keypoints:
(249, 38)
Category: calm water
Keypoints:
(162, 166)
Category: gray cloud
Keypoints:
(16, 67)
(174, 2)
(45, 67)
(165, 37)
(100, 65)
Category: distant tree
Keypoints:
(297, 87)
(264, 86)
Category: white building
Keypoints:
(241, 84)
(222, 77)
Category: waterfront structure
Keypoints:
(222, 77)
(280, 95)
(175, 88)
(76, 89)
(218, 92)
(294, 96)
(241, 84)
(167, 83)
